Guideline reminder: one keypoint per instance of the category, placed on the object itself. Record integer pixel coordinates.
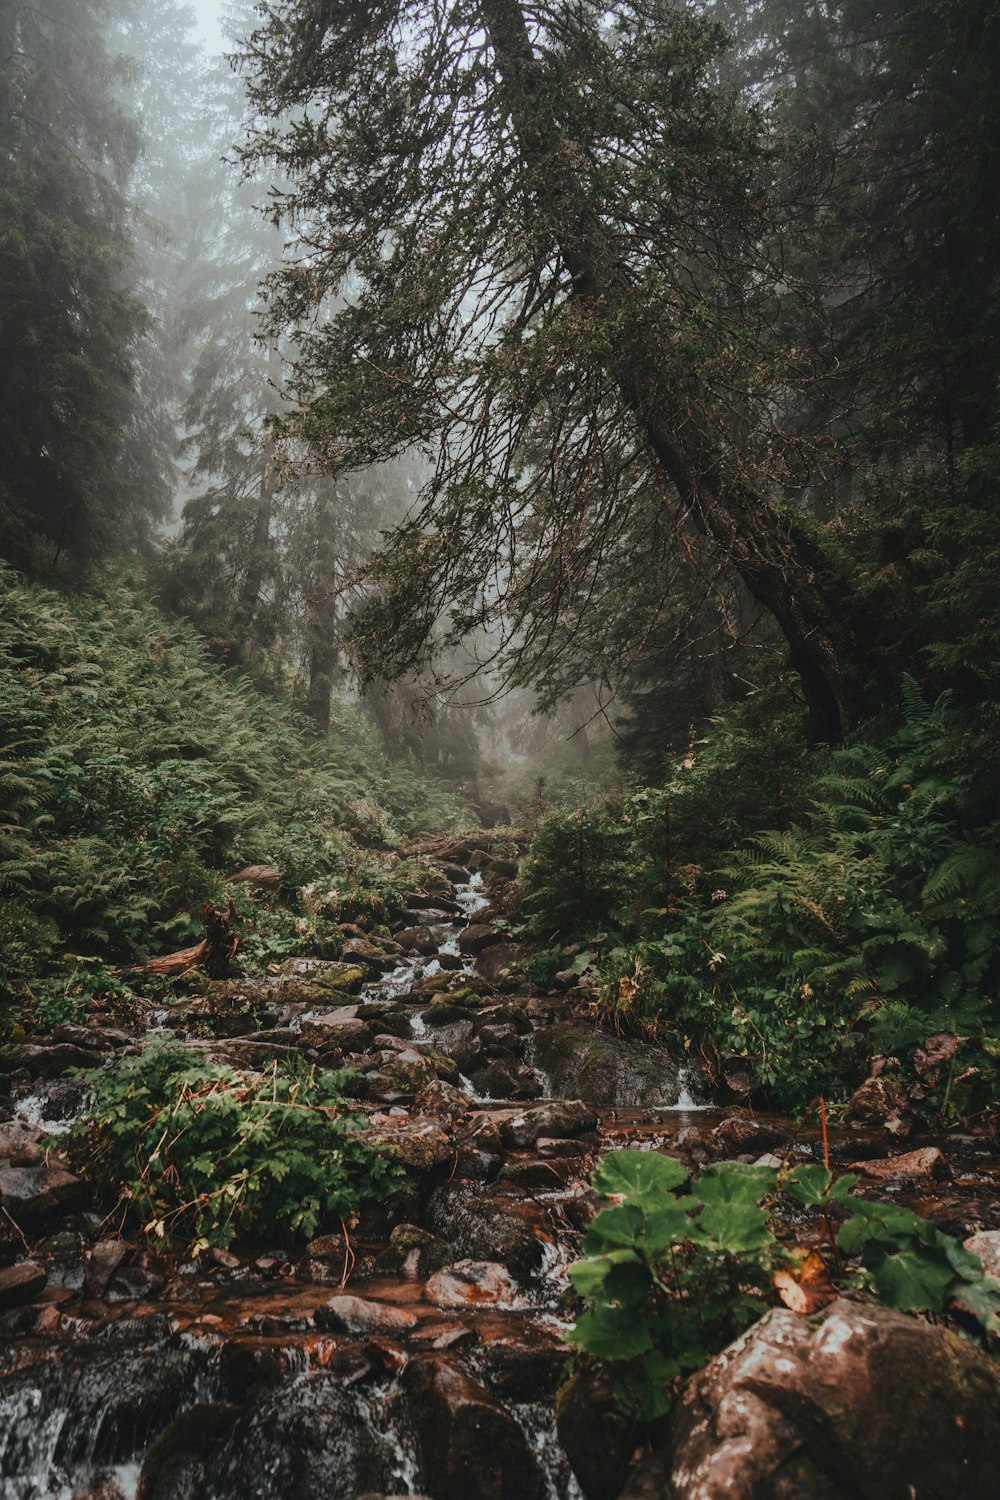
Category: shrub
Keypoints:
(210, 1153)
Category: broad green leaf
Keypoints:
(615, 1227)
(665, 1227)
(813, 1184)
(735, 1182)
(642, 1177)
(981, 1299)
(628, 1284)
(588, 1276)
(913, 1278)
(610, 1333)
(735, 1225)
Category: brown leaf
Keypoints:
(939, 1048)
(809, 1288)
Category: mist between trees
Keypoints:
(626, 360)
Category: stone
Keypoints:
(986, 1244)
(50, 1061)
(102, 1263)
(877, 1102)
(742, 1133)
(858, 1402)
(927, 1161)
(418, 1141)
(134, 1283)
(469, 1446)
(483, 1228)
(32, 1195)
(335, 976)
(417, 940)
(348, 1033)
(603, 1069)
(596, 1436)
(562, 1117)
(472, 1283)
(18, 1284)
(348, 1314)
(476, 937)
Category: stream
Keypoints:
(422, 1356)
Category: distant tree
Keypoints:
(70, 320)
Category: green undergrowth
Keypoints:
(206, 1155)
(135, 775)
(806, 909)
(669, 1280)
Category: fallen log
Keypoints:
(265, 877)
(213, 953)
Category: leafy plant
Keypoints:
(210, 1153)
(670, 1280)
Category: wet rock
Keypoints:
(472, 1283)
(856, 1403)
(348, 1314)
(134, 1283)
(309, 1437)
(413, 1252)
(928, 1161)
(101, 1264)
(33, 1195)
(334, 1030)
(536, 1176)
(506, 1079)
(562, 1117)
(476, 937)
(417, 940)
(27, 1156)
(744, 1133)
(483, 1228)
(986, 1244)
(497, 963)
(418, 1141)
(18, 1284)
(15, 1136)
(367, 955)
(46, 1061)
(499, 1037)
(552, 1148)
(441, 1098)
(877, 1102)
(603, 1069)
(96, 1038)
(597, 1438)
(468, 1445)
(168, 1465)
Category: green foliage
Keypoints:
(210, 1154)
(865, 923)
(670, 1280)
(135, 775)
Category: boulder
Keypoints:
(562, 1117)
(858, 1402)
(347, 1314)
(18, 1284)
(878, 1101)
(417, 940)
(926, 1161)
(472, 1283)
(32, 1195)
(103, 1261)
(483, 1228)
(469, 1446)
(418, 1141)
(596, 1436)
(603, 1069)
(476, 937)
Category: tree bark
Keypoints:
(768, 547)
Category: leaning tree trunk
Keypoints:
(767, 547)
(260, 558)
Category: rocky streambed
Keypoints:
(420, 1351)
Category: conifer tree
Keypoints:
(550, 230)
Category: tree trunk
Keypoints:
(769, 547)
(261, 555)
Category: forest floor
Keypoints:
(421, 1347)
